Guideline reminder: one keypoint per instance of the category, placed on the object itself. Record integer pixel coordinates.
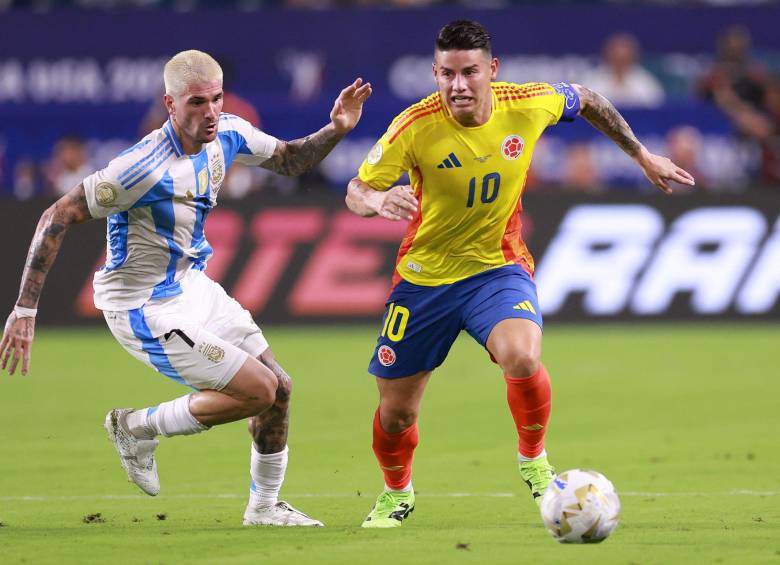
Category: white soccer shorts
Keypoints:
(200, 337)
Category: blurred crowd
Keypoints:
(184, 5)
(741, 87)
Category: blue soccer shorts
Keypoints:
(422, 322)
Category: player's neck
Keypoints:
(188, 145)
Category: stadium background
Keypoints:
(682, 417)
(92, 87)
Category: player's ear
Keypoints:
(493, 68)
(168, 100)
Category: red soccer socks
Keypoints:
(529, 402)
(395, 453)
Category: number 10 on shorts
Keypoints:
(395, 322)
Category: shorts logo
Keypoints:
(105, 194)
(525, 305)
(386, 355)
(512, 147)
(213, 353)
(375, 154)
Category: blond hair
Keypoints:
(188, 67)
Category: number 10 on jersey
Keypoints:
(395, 322)
(491, 182)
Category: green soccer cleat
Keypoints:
(390, 510)
(537, 474)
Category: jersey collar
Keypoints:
(173, 138)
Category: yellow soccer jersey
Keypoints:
(468, 180)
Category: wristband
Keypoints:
(22, 312)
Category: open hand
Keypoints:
(349, 106)
(17, 343)
(660, 170)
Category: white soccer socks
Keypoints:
(267, 472)
(264, 507)
(172, 418)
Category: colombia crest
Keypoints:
(386, 355)
(512, 147)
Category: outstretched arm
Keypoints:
(603, 116)
(20, 326)
(301, 155)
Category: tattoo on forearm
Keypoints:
(299, 156)
(71, 208)
(602, 115)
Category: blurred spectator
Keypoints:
(68, 165)
(580, 170)
(741, 87)
(27, 179)
(735, 69)
(683, 146)
(760, 125)
(621, 79)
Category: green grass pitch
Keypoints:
(684, 419)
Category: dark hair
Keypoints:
(463, 35)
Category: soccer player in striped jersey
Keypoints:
(156, 298)
(462, 264)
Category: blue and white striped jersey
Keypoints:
(156, 199)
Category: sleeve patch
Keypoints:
(572, 101)
(375, 154)
(105, 194)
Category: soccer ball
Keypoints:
(580, 506)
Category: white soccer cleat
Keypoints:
(136, 455)
(280, 514)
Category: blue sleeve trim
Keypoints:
(572, 104)
(233, 143)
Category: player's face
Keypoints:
(464, 79)
(195, 113)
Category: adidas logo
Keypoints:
(451, 162)
(525, 305)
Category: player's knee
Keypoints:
(395, 421)
(284, 390)
(262, 393)
(520, 363)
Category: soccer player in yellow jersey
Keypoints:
(462, 263)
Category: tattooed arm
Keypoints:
(603, 116)
(293, 158)
(55, 221)
(301, 155)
